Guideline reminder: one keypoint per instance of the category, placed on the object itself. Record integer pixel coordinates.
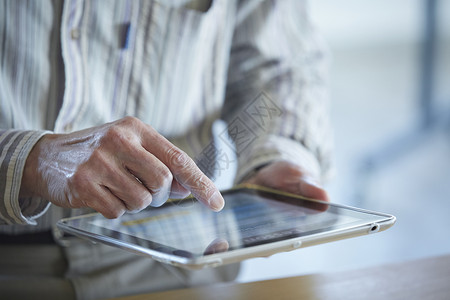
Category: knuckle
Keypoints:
(120, 139)
(177, 158)
(114, 132)
(162, 179)
(293, 170)
(131, 123)
(130, 120)
(117, 129)
(165, 177)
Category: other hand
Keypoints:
(289, 177)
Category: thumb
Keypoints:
(309, 188)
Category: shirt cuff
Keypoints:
(14, 210)
(276, 148)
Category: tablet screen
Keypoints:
(250, 217)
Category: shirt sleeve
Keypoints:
(15, 145)
(276, 102)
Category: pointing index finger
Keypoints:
(183, 169)
(192, 178)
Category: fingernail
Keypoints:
(216, 202)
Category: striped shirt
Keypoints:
(177, 65)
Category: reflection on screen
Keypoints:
(245, 221)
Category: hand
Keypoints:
(290, 178)
(113, 168)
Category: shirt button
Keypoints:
(75, 34)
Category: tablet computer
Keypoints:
(255, 222)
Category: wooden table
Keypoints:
(421, 279)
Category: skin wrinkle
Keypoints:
(177, 157)
(203, 186)
(192, 177)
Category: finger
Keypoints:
(185, 171)
(192, 178)
(178, 191)
(302, 185)
(124, 138)
(113, 174)
(291, 178)
(126, 187)
(107, 203)
(85, 189)
(298, 186)
(152, 174)
(310, 189)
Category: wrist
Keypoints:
(30, 181)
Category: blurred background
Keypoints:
(391, 116)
